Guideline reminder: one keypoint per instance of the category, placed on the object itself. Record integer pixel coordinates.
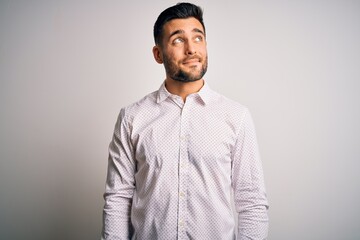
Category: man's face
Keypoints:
(183, 50)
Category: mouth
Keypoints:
(191, 61)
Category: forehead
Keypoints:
(186, 24)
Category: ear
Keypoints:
(157, 54)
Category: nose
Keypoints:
(190, 48)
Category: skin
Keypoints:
(184, 55)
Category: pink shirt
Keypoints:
(176, 169)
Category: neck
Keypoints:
(183, 89)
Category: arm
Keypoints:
(120, 184)
(248, 183)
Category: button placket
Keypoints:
(183, 160)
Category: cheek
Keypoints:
(204, 49)
(175, 52)
(173, 57)
(169, 60)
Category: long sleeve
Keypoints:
(248, 183)
(120, 183)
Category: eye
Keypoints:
(178, 40)
(198, 39)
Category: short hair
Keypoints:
(180, 10)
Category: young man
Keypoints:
(178, 153)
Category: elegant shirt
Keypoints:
(176, 169)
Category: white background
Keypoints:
(67, 67)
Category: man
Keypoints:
(178, 153)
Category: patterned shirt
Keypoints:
(177, 170)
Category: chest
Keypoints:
(206, 135)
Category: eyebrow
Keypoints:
(180, 31)
(198, 31)
(176, 32)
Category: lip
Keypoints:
(192, 60)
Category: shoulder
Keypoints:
(228, 111)
(229, 106)
(147, 103)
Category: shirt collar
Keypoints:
(162, 93)
(204, 93)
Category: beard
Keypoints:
(177, 74)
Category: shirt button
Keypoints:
(181, 223)
(182, 194)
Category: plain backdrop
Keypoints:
(67, 67)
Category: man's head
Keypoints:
(179, 34)
(178, 11)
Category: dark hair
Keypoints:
(180, 10)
